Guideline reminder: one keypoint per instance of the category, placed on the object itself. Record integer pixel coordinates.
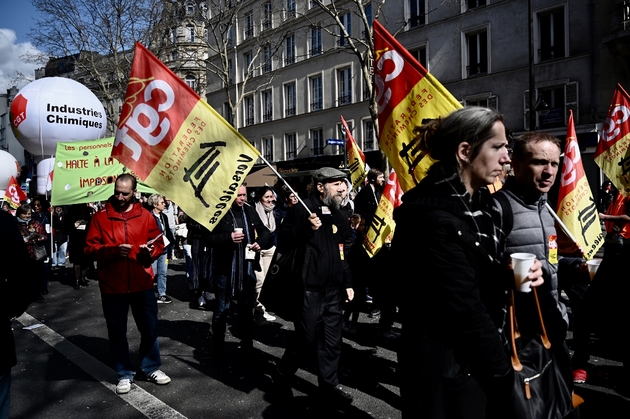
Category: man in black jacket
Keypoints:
(236, 241)
(319, 231)
(18, 287)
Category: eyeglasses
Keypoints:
(116, 193)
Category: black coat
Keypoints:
(452, 297)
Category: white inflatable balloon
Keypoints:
(9, 166)
(55, 109)
(44, 168)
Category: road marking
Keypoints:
(147, 404)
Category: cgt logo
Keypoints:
(390, 65)
(146, 122)
(18, 110)
(612, 128)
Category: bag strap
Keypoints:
(516, 363)
(507, 217)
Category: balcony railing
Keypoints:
(249, 121)
(316, 50)
(290, 59)
(344, 99)
(620, 17)
(268, 116)
(317, 151)
(368, 145)
(266, 68)
(290, 111)
(249, 33)
(316, 105)
(475, 69)
(266, 24)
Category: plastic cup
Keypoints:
(521, 262)
(593, 265)
(238, 230)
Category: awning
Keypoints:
(260, 175)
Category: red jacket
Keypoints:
(110, 228)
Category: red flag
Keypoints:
(14, 195)
(406, 94)
(178, 144)
(576, 207)
(356, 158)
(612, 150)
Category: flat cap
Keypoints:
(326, 174)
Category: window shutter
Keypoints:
(571, 101)
(526, 108)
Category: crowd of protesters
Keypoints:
(449, 293)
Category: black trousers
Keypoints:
(320, 325)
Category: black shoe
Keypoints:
(374, 314)
(281, 386)
(83, 282)
(336, 394)
(76, 285)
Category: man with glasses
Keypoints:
(124, 239)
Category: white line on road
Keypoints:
(147, 404)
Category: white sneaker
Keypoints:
(123, 386)
(268, 317)
(201, 302)
(158, 377)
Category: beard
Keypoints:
(333, 201)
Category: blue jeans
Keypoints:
(159, 269)
(5, 390)
(144, 309)
(59, 257)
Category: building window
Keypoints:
(174, 35)
(267, 15)
(477, 49)
(368, 15)
(230, 36)
(227, 113)
(289, 100)
(267, 99)
(249, 110)
(346, 22)
(230, 73)
(204, 10)
(316, 40)
(289, 50)
(290, 9)
(191, 81)
(473, 4)
(249, 59)
(249, 25)
(174, 55)
(290, 145)
(317, 142)
(366, 89)
(190, 8)
(190, 33)
(344, 86)
(420, 54)
(416, 13)
(552, 36)
(266, 59)
(316, 93)
(267, 148)
(368, 135)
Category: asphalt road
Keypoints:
(64, 367)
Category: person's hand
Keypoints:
(146, 249)
(124, 250)
(237, 236)
(536, 274)
(315, 222)
(255, 247)
(350, 294)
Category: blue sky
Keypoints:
(16, 18)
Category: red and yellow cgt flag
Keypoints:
(612, 153)
(406, 94)
(576, 207)
(178, 144)
(14, 195)
(381, 230)
(356, 158)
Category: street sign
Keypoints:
(335, 141)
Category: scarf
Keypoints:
(267, 216)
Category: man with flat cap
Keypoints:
(319, 231)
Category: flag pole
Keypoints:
(286, 183)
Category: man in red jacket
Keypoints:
(122, 239)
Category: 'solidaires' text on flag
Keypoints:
(406, 94)
(576, 207)
(356, 158)
(612, 153)
(179, 144)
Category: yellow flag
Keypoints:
(356, 158)
(381, 229)
(576, 207)
(178, 144)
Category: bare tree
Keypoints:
(94, 40)
(243, 71)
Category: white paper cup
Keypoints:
(593, 265)
(521, 262)
(238, 230)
